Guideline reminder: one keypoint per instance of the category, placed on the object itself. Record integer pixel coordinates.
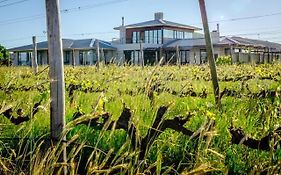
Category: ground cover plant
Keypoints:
(151, 120)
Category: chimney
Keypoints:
(159, 16)
(218, 28)
(123, 21)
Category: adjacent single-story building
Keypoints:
(153, 40)
(75, 52)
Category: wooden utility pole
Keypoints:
(34, 55)
(56, 74)
(98, 53)
(210, 53)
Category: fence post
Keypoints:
(34, 55)
(141, 54)
(178, 55)
(210, 53)
(56, 74)
(98, 53)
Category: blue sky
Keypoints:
(96, 18)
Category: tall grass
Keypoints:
(109, 152)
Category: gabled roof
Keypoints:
(256, 43)
(159, 22)
(67, 44)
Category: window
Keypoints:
(81, 58)
(174, 34)
(136, 37)
(159, 36)
(23, 58)
(146, 37)
(66, 57)
(39, 58)
(168, 33)
(187, 35)
(203, 56)
(153, 36)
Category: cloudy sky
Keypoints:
(21, 19)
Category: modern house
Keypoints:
(148, 42)
(174, 42)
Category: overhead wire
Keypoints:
(13, 3)
(3, 1)
(89, 6)
(64, 11)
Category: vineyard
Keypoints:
(151, 120)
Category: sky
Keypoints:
(22, 19)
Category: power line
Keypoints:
(12, 3)
(22, 19)
(247, 18)
(89, 6)
(265, 32)
(3, 1)
(69, 10)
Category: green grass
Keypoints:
(129, 86)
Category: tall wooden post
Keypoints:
(210, 53)
(34, 55)
(73, 58)
(56, 74)
(103, 56)
(98, 53)
(178, 55)
(156, 57)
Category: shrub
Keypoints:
(224, 60)
(4, 56)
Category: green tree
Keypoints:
(4, 56)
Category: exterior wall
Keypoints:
(109, 55)
(195, 56)
(44, 57)
(220, 51)
(16, 59)
(76, 57)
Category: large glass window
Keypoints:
(146, 37)
(153, 36)
(174, 34)
(159, 36)
(136, 37)
(187, 35)
(66, 57)
(24, 58)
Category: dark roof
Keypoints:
(224, 41)
(256, 43)
(159, 22)
(67, 44)
(82, 43)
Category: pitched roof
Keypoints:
(67, 44)
(257, 43)
(159, 22)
